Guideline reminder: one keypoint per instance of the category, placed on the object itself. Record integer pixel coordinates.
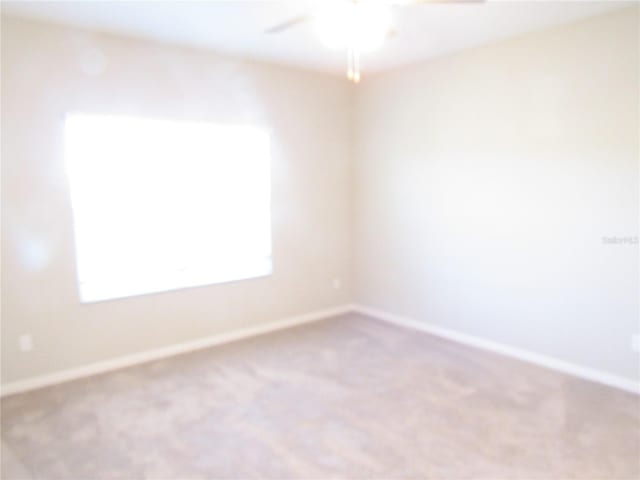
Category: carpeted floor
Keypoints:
(347, 397)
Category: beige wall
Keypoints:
(49, 70)
(486, 180)
(483, 184)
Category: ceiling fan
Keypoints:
(355, 25)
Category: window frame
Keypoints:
(91, 290)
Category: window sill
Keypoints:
(98, 291)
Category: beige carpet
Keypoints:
(343, 398)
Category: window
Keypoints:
(160, 205)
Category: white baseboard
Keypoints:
(164, 352)
(500, 348)
(185, 347)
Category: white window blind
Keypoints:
(161, 205)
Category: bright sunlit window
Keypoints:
(160, 205)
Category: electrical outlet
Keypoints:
(635, 342)
(25, 342)
(337, 283)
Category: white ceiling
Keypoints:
(423, 31)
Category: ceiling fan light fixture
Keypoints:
(362, 26)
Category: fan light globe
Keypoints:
(362, 26)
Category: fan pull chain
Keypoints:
(350, 72)
(353, 64)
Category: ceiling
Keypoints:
(423, 31)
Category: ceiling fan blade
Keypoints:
(292, 22)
